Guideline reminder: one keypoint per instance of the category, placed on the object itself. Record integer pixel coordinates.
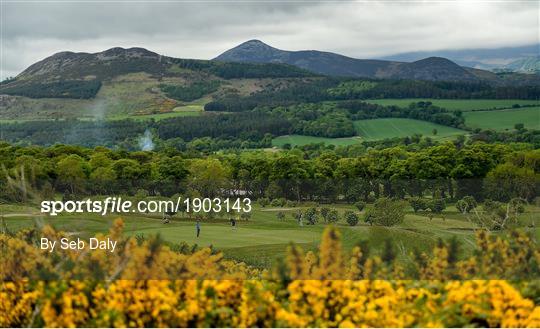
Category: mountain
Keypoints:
(524, 65)
(482, 58)
(134, 81)
(119, 82)
(434, 69)
(72, 65)
(79, 75)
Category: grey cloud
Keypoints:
(203, 30)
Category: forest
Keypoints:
(446, 171)
(328, 89)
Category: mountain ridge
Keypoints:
(479, 58)
(328, 63)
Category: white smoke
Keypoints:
(98, 110)
(145, 142)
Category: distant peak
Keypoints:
(254, 44)
(251, 51)
(435, 59)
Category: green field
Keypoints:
(458, 104)
(377, 129)
(299, 140)
(180, 111)
(261, 239)
(504, 119)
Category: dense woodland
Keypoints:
(331, 89)
(81, 89)
(446, 171)
(190, 92)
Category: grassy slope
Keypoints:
(135, 95)
(398, 127)
(458, 104)
(504, 119)
(376, 129)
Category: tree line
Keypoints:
(494, 171)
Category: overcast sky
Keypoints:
(32, 31)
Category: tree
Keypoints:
(418, 203)
(517, 205)
(324, 213)
(72, 171)
(351, 218)
(172, 169)
(519, 126)
(332, 216)
(496, 214)
(386, 212)
(437, 205)
(311, 216)
(207, 176)
(507, 181)
(360, 205)
(434, 131)
(466, 204)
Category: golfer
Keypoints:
(198, 227)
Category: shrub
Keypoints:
(351, 218)
(386, 212)
(332, 216)
(264, 202)
(280, 215)
(280, 202)
(467, 204)
(291, 203)
(324, 212)
(418, 203)
(517, 205)
(437, 206)
(311, 215)
(360, 205)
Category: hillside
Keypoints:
(137, 83)
(134, 81)
(79, 75)
(524, 65)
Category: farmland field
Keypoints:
(504, 119)
(458, 104)
(180, 111)
(305, 140)
(377, 129)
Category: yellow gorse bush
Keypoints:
(147, 284)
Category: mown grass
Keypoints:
(458, 104)
(504, 119)
(263, 238)
(377, 129)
